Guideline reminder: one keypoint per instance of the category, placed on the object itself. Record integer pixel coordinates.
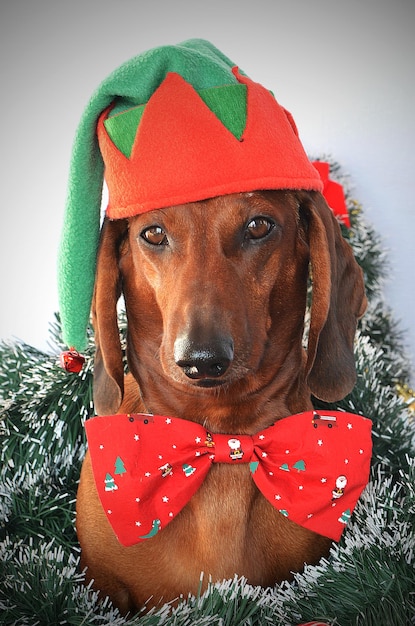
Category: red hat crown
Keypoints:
(182, 152)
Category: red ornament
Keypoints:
(333, 193)
(72, 361)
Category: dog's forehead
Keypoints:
(281, 198)
(238, 206)
(282, 205)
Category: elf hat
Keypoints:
(173, 125)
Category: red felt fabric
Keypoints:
(183, 153)
(311, 467)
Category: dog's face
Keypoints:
(219, 273)
(216, 291)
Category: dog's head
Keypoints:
(216, 294)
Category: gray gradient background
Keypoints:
(344, 69)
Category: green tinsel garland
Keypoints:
(369, 578)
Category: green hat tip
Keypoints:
(132, 83)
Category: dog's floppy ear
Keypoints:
(338, 301)
(108, 366)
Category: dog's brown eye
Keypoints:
(155, 236)
(258, 228)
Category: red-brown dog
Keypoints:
(216, 313)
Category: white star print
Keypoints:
(261, 437)
(198, 440)
(264, 455)
(350, 426)
(137, 499)
(101, 447)
(174, 446)
(109, 511)
(271, 473)
(346, 461)
(197, 453)
(168, 420)
(324, 480)
(360, 451)
(137, 438)
(171, 514)
(278, 497)
(147, 474)
(138, 523)
(287, 452)
(320, 442)
(300, 487)
(160, 457)
(165, 499)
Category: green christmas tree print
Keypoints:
(119, 466)
(188, 469)
(345, 516)
(300, 466)
(110, 483)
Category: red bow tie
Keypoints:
(312, 467)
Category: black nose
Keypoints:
(203, 360)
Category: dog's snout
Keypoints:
(203, 360)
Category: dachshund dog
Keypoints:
(216, 296)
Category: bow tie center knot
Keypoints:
(231, 448)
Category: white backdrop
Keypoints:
(345, 69)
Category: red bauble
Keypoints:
(72, 361)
